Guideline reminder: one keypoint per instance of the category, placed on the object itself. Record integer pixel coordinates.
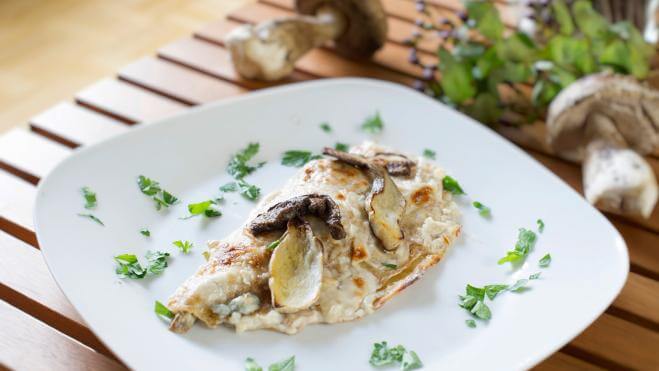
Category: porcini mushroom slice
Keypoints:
(296, 269)
(385, 206)
(278, 215)
(618, 180)
(182, 322)
(395, 163)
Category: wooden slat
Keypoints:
(28, 155)
(639, 299)
(392, 56)
(215, 61)
(74, 125)
(127, 102)
(176, 82)
(27, 344)
(617, 343)
(16, 204)
(26, 283)
(562, 362)
(643, 251)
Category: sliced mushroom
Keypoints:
(278, 215)
(384, 204)
(606, 121)
(296, 269)
(395, 163)
(182, 322)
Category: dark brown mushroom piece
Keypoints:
(384, 203)
(268, 51)
(395, 163)
(277, 216)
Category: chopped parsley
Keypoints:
(251, 365)
(373, 124)
(162, 310)
(541, 225)
(249, 191)
(184, 246)
(325, 126)
(239, 166)
(483, 210)
(382, 355)
(90, 197)
(287, 364)
(152, 189)
(470, 323)
(92, 217)
(207, 208)
(493, 290)
(429, 153)
(229, 187)
(273, 245)
(535, 276)
(157, 261)
(452, 185)
(390, 266)
(545, 261)
(145, 232)
(519, 285)
(129, 267)
(298, 158)
(524, 245)
(341, 147)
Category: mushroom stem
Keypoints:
(268, 51)
(618, 179)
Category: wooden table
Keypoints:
(41, 330)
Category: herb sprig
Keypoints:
(128, 266)
(373, 124)
(525, 242)
(382, 355)
(152, 189)
(297, 158)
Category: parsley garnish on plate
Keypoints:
(341, 147)
(251, 365)
(535, 276)
(325, 126)
(207, 208)
(145, 232)
(92, 217)
(152, 189)
(90, 197)
(162, 310)
(157, 261)
(382, 355)
(239, 166)
(287, 364)
(373, 124)
(429, 153)
(390, 266)
(483, 210)
(229, 187)
(249, 191)
(541, 225)
(545, 261)
(129, 267)
(296, 158)
(452, 185)
(525, 242)
(470, 323)
(184, 246)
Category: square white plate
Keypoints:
(188, 154)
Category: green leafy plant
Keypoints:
(499, 76)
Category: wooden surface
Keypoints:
(195, 70)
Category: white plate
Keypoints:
(188, 154)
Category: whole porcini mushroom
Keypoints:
(608, 122)
(268, 51)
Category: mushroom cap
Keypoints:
(366, 29)
(614, 108)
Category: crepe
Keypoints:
(340, 239)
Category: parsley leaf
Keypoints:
(341, 147)
(429, 153)
(525, 243)
(298, 158)
(251, 365)
(382, 355)
(493, 290)
(273, 244)
(145, 232)
(373, 124)
(481, 310)
(129, 267)
(541, 225)
(207, 208)
(90, 197)
(229, 187)
(152, 189)
(535, 276)
(249, 191)
(238, 166)
(390, 266)
(519, 285)
(157, 261)
(92, 217)
(483, 210)
(545, 261)
(325, 126)
(184, 246)
(470, 323)
(410, 361)
(452, 185)
(286, 365)
(162, 310)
